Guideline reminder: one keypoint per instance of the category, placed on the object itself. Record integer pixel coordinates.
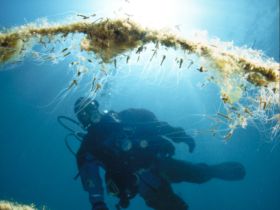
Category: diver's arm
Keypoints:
(176, 134)
(92, 182)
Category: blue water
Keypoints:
(36, 167)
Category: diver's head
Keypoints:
(87, 111)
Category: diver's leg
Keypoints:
(231, 171)
(183, 171)
(158, 193)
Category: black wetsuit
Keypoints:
(135, 150)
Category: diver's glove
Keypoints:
(181, 136)
(186, 139)
(177, 135)
(190, 142)
(99, 206)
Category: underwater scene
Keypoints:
(139, 105)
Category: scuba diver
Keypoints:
(136, 151)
